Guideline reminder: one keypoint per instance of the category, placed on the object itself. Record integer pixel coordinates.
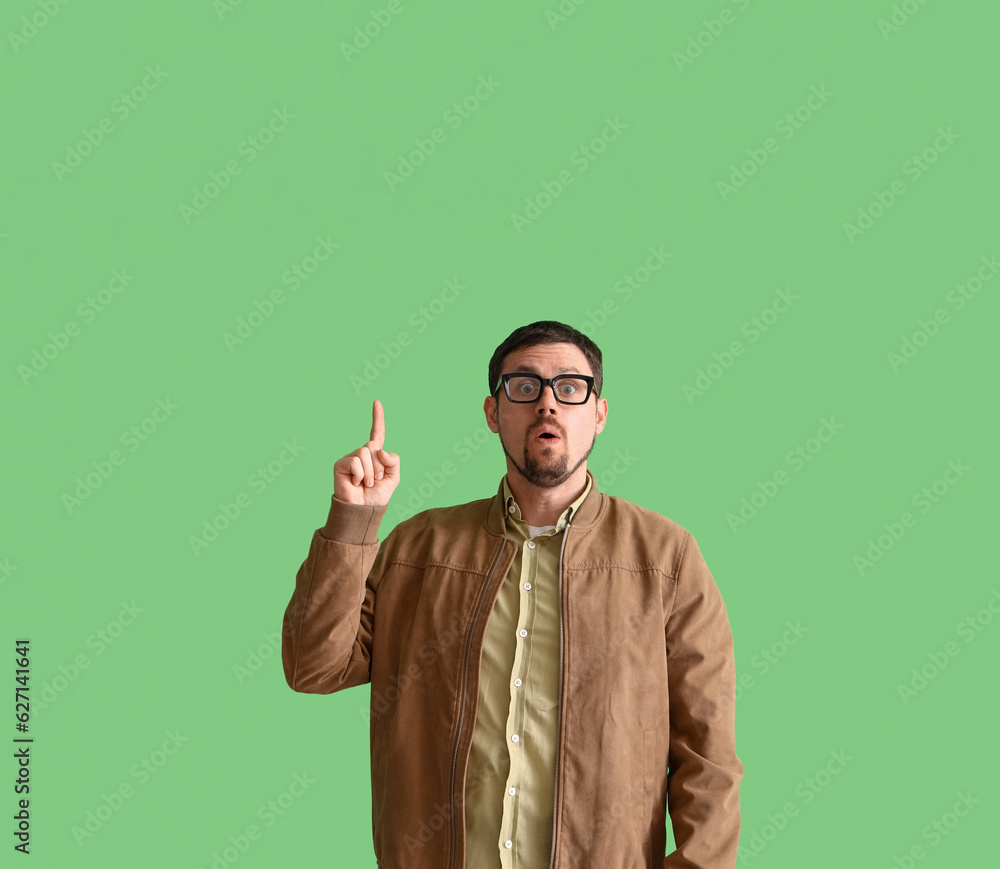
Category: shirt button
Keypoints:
(515, 738)
(523, 632)
(517, 682)
(508, 844)
(512, 791)
(510, 509)
(531, 544)
(527, 585)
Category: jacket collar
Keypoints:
(585, 516)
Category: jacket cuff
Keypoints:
(352, 523)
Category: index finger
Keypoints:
(378, 424)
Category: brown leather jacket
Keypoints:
(646, 717)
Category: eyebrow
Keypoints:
(533, 370)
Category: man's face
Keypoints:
(546, 462)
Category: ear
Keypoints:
(602, 415)
(490, 409)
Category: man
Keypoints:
(551, 668)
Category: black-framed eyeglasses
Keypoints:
(524, 388)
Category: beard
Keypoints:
(545, 469)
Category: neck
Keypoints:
(544, 506)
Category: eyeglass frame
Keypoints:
(545, 381)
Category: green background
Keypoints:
(199, 660)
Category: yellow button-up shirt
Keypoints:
(510, 782)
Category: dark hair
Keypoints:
(547, 332)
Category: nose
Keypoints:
(547, 401)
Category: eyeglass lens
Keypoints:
(571, 390)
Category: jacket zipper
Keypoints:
(465, 683)
(555, 791)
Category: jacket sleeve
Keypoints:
(326, 636)
(703, 780)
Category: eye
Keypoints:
(523, 387)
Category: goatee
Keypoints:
(545, 471)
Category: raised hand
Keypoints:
(369, 475)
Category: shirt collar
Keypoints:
(513, 511)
